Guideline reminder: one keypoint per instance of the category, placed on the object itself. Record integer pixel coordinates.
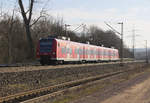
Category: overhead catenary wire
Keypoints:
(121, 34)
(78, 27)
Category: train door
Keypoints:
(101, 54)
(77, 51)
(68, 52)
(84, 53)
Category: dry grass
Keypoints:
(72, 96)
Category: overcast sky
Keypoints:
(134, 13)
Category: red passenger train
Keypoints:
(50, 50)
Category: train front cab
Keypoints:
(46, 51)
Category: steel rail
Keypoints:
(47, 90)
(38, 64)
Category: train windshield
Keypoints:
(46, 45)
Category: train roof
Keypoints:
(83, 44)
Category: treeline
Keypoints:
(14, 45)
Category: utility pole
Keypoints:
(122, 55)
(133, 40)
(146, 58)
(84, 28)
(66, 33)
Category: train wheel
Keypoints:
(61, 62)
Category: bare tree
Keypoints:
(27, 21)
(27, 16)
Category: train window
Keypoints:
(96, 52)
(114, 54)
(101, 53)
(76, 51)
(70, 51)
(92, 52)
(63, 50)
(110, 53)
(105, 52)
(46, 45)
(80, 51)
(86, 51)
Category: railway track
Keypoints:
(38, 64)
(20, 97)
(21, 64)
(20, 68)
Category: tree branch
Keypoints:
(23, 11)
(27, 11)
(36, 20)
(30, 9)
